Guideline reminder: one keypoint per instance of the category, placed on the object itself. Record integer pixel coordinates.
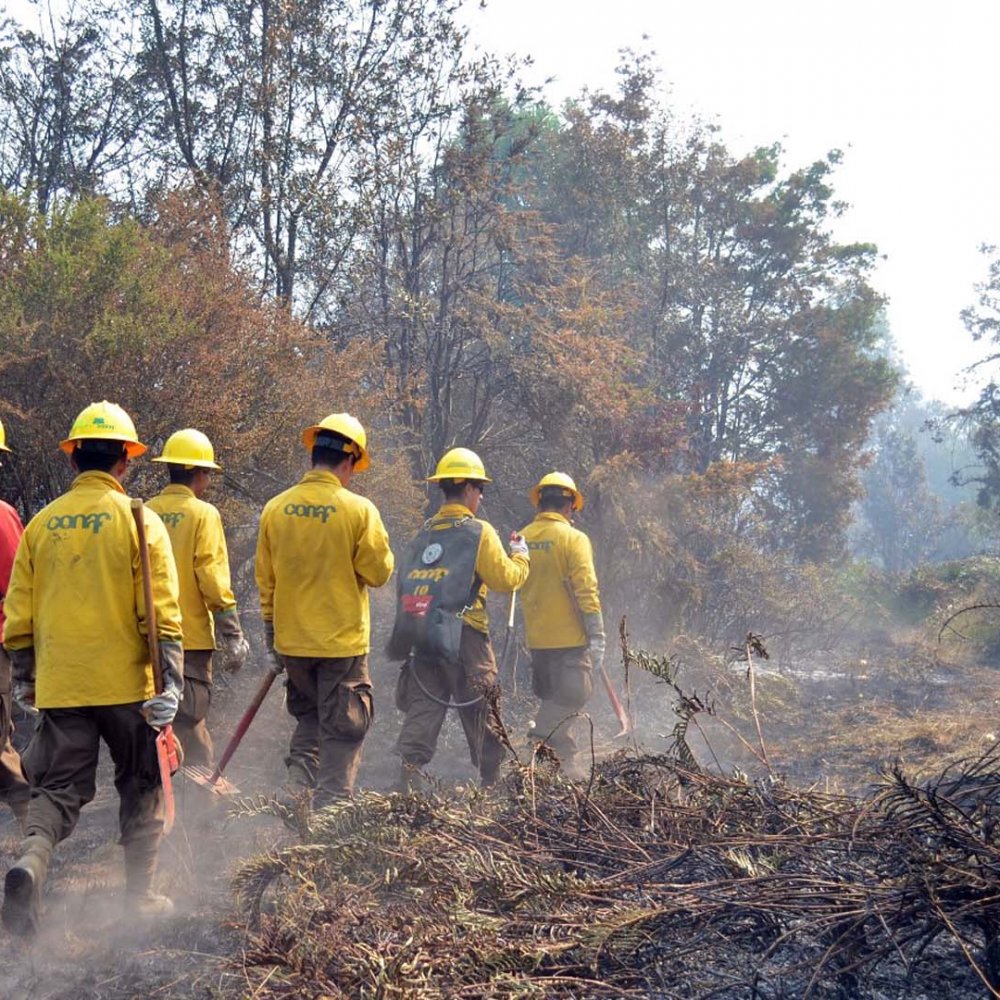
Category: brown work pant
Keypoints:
(563, 679)
(13, 783)
(424, 689)
(61, 762)
(190, 724)
(331, 702)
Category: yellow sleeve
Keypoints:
(163, 574)
(211, 563)
(264, 569)
(582, 575)
(373, 558)
(19, 627)
(495, 568)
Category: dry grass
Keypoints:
(656, 879)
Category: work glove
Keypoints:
(22, 672)
(518, 545)
(231, 644)
(598, 648)
(278, 667)
(23, 693)
(161, 709)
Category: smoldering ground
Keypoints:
(212, 948)
(87, 947)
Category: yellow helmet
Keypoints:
(189, 448)
(558, 480)
(3, 438)
(346, 426)
(460, 464)
(104, 421)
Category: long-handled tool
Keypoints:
(213, 780)
(166, 748)
(619, 709)
(506, 644)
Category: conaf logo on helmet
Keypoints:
(310, 510)
(60, 522)
(173, 519)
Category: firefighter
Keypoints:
(75, 636)
(441, 628)
(212, 631)
(563, 624)
(13, 784)
(319, 549)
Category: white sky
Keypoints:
(906, 90)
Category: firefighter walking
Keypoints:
(212, 632)
(441, 627)
(75, 627)
(563, 624)
(319, 549)
(13, 784)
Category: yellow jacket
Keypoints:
(196, 536)
(319, 548)
(497, 570)
(562, 561)
(76, 596)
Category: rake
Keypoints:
(213, 779)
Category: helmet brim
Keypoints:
(189, 463)
(132, 448)
(460, 479)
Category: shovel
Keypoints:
(213, 780)
(166, 748)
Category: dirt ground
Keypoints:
(836, 732)
(87, 948)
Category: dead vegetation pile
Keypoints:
(656, 879)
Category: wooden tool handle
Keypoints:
(152, 640)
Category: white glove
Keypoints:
(161, 708)
(279, 667)
(518, 545)
(598, 648)
(232, 647)
(23, 692)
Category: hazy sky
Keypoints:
(907, 91)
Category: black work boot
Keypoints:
(22, 887)
(140, 867)
(294, 797)
(489, 774)
(410, 778)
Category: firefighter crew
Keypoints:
(319, 549)
(212, 632)
(441, 627)
(75, 636)
(13, 784)
(563, 624)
